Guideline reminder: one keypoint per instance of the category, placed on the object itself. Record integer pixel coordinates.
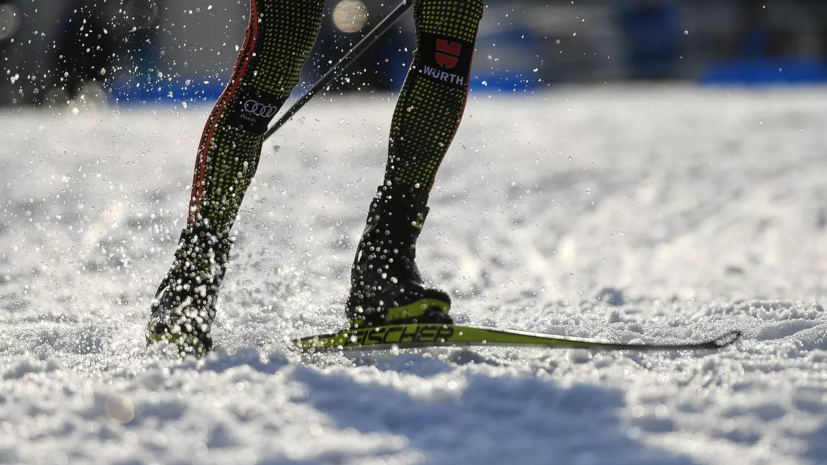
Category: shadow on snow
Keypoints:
(491, 420)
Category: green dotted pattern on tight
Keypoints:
(286, 31)
(288, 40)
(428, 112)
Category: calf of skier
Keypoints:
(386, 286)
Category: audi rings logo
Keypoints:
(260, 109)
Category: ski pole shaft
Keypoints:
(342, 64)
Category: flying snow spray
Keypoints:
(141, 14)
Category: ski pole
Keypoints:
(342, 64)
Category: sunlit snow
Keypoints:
(624, 214)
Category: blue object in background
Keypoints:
(137, 91)
(516, 53)
(765, 71)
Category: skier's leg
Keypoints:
(279, 37)
(432, 100)
(385, 283)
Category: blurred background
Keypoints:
(127, 52)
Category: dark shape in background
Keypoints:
(184, 52)
(84, 51)
(652, 32)
(772, 46)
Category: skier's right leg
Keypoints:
(279, 37)
(386, 286)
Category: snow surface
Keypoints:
(657, 214)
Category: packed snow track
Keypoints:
(626, 214)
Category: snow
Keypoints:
(629, 214)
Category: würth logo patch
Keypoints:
(447, 54)
(444, 59)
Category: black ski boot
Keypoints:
(184, 306)
(386, 287)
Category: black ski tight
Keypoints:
(279, 38)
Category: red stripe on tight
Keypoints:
(209, 129)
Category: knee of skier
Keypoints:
(279, 39)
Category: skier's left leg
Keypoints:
(279, 37)
(386, 286)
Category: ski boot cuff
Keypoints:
(401, 208)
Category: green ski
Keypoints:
(409, 336)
